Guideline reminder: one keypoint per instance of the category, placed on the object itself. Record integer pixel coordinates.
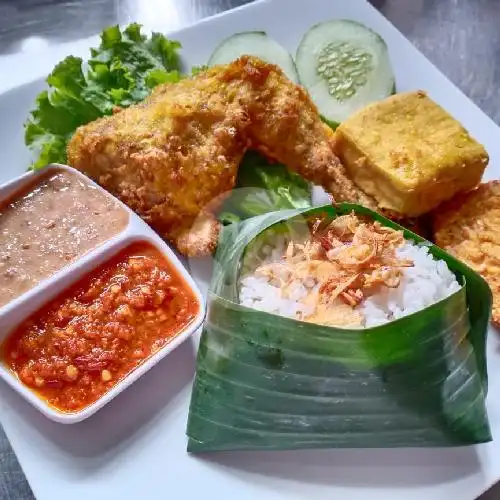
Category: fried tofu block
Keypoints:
(409, 154)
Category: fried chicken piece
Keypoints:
(468, 227)
(173, 157)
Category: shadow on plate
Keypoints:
(100, 439)
(355, 468)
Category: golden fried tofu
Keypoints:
(409, 154)
(467, 227)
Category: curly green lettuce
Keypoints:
(120, 72)
(268, 187)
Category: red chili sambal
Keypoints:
(81, 344)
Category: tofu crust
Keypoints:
(409, 154)
(468, 227)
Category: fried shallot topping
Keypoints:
(342, 261)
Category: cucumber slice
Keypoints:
(254, 43)
(344, 66)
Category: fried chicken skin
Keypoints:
(468, 227)
(169, 157)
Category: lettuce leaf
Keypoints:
(120, 72)
(264, 187)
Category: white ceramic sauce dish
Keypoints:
(20, 308)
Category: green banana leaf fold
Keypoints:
(265, 382)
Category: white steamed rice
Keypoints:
(422, 285)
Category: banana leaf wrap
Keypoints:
(268, 382)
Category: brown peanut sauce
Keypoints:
(49, 225)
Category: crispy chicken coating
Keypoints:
(171, 156)
(468, 227)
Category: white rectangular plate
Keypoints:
(136, 447)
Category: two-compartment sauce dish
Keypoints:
(90, 296)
